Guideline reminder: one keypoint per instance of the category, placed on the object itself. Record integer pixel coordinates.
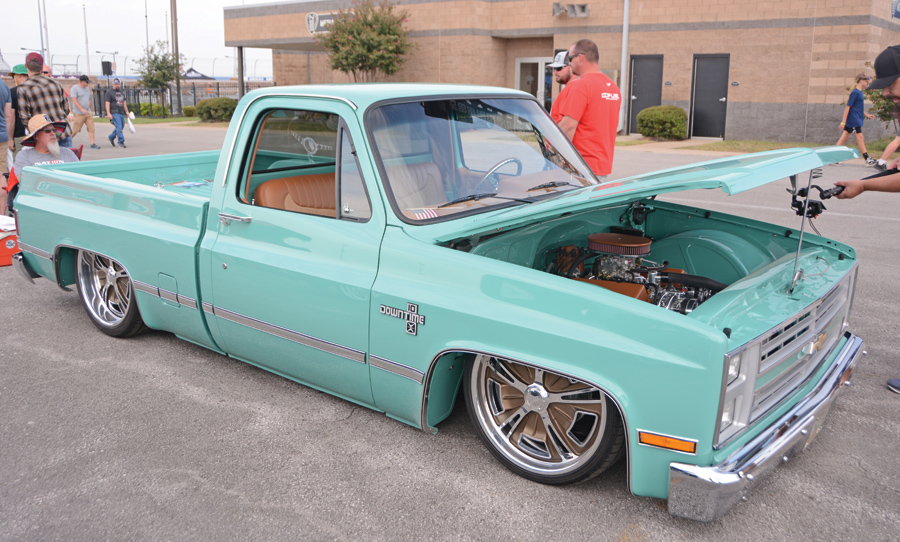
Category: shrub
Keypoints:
(136, 109)
(216, 109)
(189, 111)
(663, 121)
(155, 110)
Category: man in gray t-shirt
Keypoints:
(80, 95)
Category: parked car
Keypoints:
(395, 244)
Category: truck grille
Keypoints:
(791, 353)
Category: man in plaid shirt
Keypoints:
(42, 95)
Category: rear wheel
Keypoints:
(108, 294)
(541, 425)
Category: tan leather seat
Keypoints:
(417, 185)
(310, 194)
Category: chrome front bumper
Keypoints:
(706, 493)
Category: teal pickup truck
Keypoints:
(402, 246)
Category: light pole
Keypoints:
(147, 26)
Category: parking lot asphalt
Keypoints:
(154, 438)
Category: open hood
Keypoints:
(733, 175)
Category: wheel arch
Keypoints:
(444, 377)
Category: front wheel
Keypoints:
(108, 294)
(543, 426)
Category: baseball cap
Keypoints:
(37, 123)
(85, 78)
(559, 61)
(887, 68)
(19, 69)
(34, 59)
(861, 76)
(116, 80)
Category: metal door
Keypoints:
(534, 77)
(709, 95)
(646, 86)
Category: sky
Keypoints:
(120, 25)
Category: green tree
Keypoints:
(369, 41)
(158, 67)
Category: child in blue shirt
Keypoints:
(854, 115)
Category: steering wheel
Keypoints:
(495, 183)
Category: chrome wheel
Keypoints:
(544, 426)
(106, 290)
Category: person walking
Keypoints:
(590, 113)
(887, 79)
(42, 95)
(854, 115)
(116, 110)
(565, 78)
(81, 104)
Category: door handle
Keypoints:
(634, 97)
(226, 218)
(722, 99)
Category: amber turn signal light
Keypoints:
(669, 443)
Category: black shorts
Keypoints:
(851, 129)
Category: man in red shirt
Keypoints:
(591, 110)
(565, 77)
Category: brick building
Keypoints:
(776, 70)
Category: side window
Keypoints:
(293, 165)
(354, 203)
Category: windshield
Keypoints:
(449, 158)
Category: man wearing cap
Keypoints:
(42, 95)
(854, 116)
(565, 78)
(116, 109)
(81, 106)
(590, 114)
(40, 147)
(887, 79)
(19, 74)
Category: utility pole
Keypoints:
(177, 54)
(87, 50)
(46, 59)
(41, 30)
(147, 26)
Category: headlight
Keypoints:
(732, 368)
(738, 379)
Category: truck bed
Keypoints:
(146, 213)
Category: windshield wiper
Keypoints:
(476, 197)
(552, 184)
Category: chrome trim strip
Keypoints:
(188, 302)
(207, 308)
(247, 108)
(168, 296)
(300, 338)
(36, 251)
(707, 493)
(398, 369)
(146, 288)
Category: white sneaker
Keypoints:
(870, 161)
(881, 165)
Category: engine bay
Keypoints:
(619, 262)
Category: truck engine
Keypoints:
(618, 262)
